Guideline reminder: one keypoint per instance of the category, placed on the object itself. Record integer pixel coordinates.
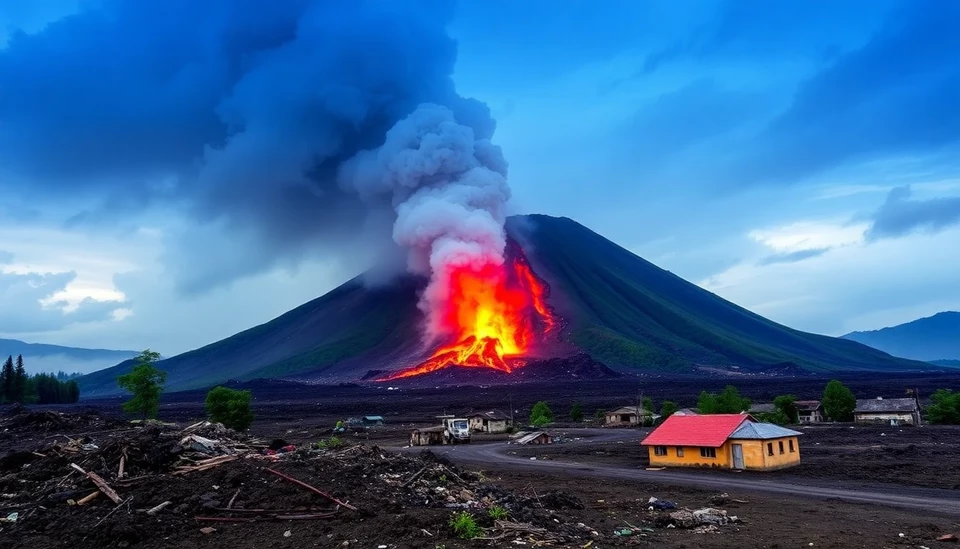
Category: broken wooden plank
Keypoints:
(101, 484)
(312, 489)
(87, 499)
(158, 508)
(123, 461)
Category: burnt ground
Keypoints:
(862, 456)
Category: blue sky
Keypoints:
(797, 158)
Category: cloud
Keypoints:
(5, 257)
(793, 257)
(900, 214)
(895, 95)
(237, 113)
(30, 304)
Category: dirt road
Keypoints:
(496, 455)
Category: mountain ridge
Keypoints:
(618, 308)
(51, 358)
(936, 337)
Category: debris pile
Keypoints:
(117, 484)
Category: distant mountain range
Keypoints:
(616, 307)
(40, 357)
(932, 338)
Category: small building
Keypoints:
(762, 408)
(729, 441)
(686, 412)
(493, 421)
(809, 411)
(368, 421)
(628, 415)
(427, 436)
(535, 437)
(889, 411)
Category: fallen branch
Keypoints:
(101, 484)
(204, 465)
(159, 508)
(312, 489)
(105, 517)
(123, 461)
(87, 499)
(454, 475)
(414, 477)
(235, 494)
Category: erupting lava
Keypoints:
(495, 314)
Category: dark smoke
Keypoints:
(239, 112)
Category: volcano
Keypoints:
(563, 291)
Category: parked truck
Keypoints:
(456, 430)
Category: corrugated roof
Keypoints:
(686, 412)
(530, 437)
(495, 415)
(710, 430)
(886, 405)
(763, 408)
(807, 405)
(762, 431)
(630, 410)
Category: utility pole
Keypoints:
(511, 409)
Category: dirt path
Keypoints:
(494, 455)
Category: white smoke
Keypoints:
(449, 191)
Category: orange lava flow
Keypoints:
(495, 314)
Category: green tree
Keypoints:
(838, 401)
(728, 401)
(647, 404)
(541, 414)
(576, 412)
(944, 408)
(9, 378)
(145, 381)
(20, 381)
(600, 415)
(787, 405)
(230, 407)
(668, 408)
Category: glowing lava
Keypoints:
(495, 313)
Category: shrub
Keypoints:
(464, 525)
(541, 414)
(146, 383)
(668, 408)
(786, 406)
(944, 407)
(728, 401)
(331, 443)
(497, 512)
(576, 412)
(230, 407)
(838, 401)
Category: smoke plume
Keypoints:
(450, 191)
(282, 131)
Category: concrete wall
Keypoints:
(757, 457)
(754, 455)
(904, 418)
(690, 458)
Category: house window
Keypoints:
(769, 448)
(659, 450)
(791, 447)
(708, 452)
(679, 451)
(781, 446)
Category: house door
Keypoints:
(737, 456)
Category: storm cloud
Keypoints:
(238, 113)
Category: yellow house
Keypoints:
(730, 441)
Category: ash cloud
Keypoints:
(239, 113)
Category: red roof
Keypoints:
(710, 430)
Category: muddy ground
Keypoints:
(396, 517)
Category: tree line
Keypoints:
(17, 386)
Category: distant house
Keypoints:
(810, 411)
(627, 415)
(686, 412)
(368, 421)
(892, 411)
(534, 437)
(762, 408)
(729, 441)
(493, 421)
